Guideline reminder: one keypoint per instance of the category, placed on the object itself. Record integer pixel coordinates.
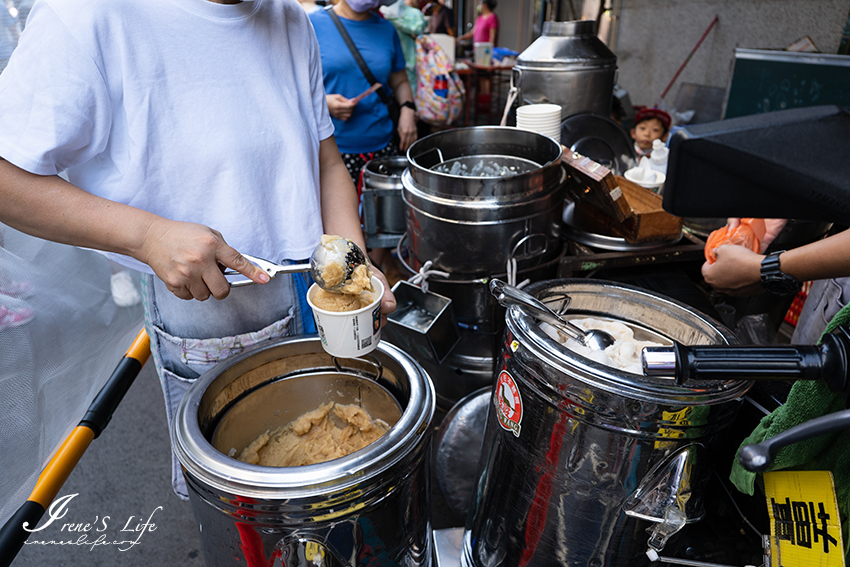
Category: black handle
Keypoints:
(13, 535)
(756, 458)
(827, 361)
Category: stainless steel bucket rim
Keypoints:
(459, 131)
(613, 380)
(204, 462)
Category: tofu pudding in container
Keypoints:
(352, 510)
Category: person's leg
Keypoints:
(190, 337)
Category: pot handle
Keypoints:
(828, 361)
(534, 253)
(756, 458)
(369, 360)
(515, 85)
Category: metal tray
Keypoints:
(575, 230)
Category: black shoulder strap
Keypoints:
(357, 57)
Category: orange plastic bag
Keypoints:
(748, 233)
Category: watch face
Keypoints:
(781, 284)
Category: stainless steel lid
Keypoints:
(652, 316)
(566, 45)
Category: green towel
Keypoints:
(807, 400)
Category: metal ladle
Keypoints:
(338, 250)
(508, 295)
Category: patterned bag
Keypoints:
(439, 91)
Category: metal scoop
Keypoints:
(336, 250)
(508, 295)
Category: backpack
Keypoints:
(439, 91)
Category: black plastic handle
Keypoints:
(13, 535)
(827, 361)
(756, 458)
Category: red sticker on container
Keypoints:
(508, 403)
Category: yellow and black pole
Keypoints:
(58, 469)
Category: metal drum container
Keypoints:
(476, 199)
(567, 65)
(370, 507)
(579, 460)
(383, 209)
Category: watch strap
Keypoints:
(774, 279)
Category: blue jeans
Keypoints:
(190, 337)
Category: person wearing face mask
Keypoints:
(187, 132)
(363, 127)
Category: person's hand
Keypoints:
(188, 257)
(406, 128)
(772, 228)
(388, 302)
(339, 106)
(737, 271)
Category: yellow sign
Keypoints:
(805, 529)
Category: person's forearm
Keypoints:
(51, 208)
(823, 259)
(338, 195)
(400, 85)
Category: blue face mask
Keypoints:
(366, 5)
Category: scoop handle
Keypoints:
(508, 295)
(270, 268)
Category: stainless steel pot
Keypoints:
(368, 508)
(471, 226)
(383, 209)
(578, 458)
(567, 65)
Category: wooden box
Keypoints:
(617, 206)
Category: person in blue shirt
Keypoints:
(363, 128)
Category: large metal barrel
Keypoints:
(567, 65)
(370, 507)
(578, 458)
(478, 199)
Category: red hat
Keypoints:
(647, 113)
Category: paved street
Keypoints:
(122, 481)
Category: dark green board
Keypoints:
(765, 81)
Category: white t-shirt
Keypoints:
(193, 110)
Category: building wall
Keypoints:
(654, 37)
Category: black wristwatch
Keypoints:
(408, 104)
(775, 280)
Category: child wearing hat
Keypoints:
(650, 124)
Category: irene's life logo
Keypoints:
(101, 531)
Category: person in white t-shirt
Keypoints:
(189, 131)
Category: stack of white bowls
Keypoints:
(541, 118)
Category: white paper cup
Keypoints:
(543, 109)
(349, 334)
